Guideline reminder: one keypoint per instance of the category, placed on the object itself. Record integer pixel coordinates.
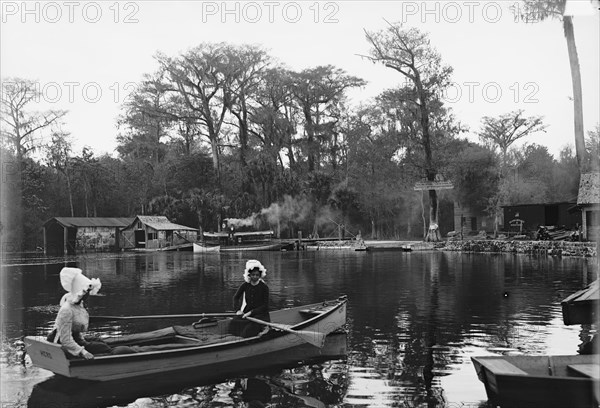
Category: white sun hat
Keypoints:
(251, 264)
(77, 284)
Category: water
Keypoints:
(414, 321)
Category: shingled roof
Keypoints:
(119, 222)
(162, 223)
(589, 189)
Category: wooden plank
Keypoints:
(590, 292)
(500, 366)
(589, 370)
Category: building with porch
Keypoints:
(155, 232)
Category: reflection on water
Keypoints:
(414, 319)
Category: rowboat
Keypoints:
(207, 345)
(205, 248)
(271, 246)
(582, 306)
(335, 248)
(59, 391)
(540, 381)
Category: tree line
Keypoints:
(223, 131)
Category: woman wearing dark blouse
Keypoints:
(251, 299)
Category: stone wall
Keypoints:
(554, 248)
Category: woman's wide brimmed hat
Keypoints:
(251, 264)
(77, 284)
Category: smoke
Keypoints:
(246, 222)
(289, 210)
(292, 210)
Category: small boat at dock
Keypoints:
(268, 246)
(582, 306)
(540, 381)
(201, 248)
(207, 345)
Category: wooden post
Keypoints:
(65, 239)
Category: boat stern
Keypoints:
(47, 355)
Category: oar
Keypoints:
(315, 338)
(173, 316)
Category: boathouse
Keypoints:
(588, 201)
(534, 215)
(156, 232)
(68, 235)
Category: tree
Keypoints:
(20, 128)
(501, 133)
(146, 120)
(319, 92)
(475, 175)
(274, 118)
(59, 157)
(408, 51)
(536, 10)
(21, 133)
(202, 77)
(247, 65)
(592, 149)
(506, 129)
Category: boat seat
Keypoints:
(312, 312)
(588, 370)
(500, 366)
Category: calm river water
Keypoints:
(414, 321)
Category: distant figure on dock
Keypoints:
(232, 234)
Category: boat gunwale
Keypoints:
(482, 366)
(205, 348)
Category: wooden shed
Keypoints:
(67, 235)
(468, 221)
(534, 215)
(588, 201)
(156, 232)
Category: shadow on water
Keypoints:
(289, 375)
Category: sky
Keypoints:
(86, 56)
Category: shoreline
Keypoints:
(527, 247)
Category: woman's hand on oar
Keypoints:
(173, 316)
(315, 338)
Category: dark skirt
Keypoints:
(92, 345)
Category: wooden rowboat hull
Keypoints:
(335, 248)
(203, 248)
(255, 247)
(324, 318)
(59, 391)
(582, 306)
(540, 381)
